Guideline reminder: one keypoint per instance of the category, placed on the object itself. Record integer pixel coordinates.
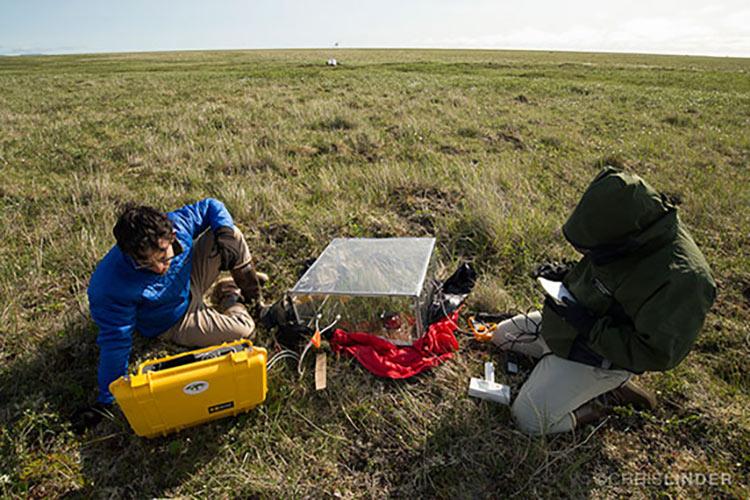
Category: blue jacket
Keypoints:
(123, 299)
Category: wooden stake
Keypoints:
(321, 380)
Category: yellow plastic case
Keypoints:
(175, 392)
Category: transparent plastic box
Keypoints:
(390, 272)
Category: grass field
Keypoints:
(488, 151)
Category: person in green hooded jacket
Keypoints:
(641, 294)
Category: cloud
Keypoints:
(31, 50)
(680, 35)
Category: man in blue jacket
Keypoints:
(153, 281)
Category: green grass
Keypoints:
(488, 151)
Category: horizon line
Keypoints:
(55, 53)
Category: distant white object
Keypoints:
(332, 62)
(556, 290)
(486, 388)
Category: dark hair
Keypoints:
(139, 229)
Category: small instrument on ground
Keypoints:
(487, 388)
(482, 330)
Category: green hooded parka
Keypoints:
(642, 276)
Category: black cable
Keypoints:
(519, 336)
(522, 331)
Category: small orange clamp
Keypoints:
(315, 339)
(482, 331)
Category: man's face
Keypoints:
(158, 261)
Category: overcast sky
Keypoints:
(719, 28)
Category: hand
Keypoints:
(554, 271)
(574, 314)
(580, 352)
(226, 246)
(89, 416)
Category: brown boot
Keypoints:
(225, 294)
(627, 393)
(250, 282)
(589, 413)
(631, 393)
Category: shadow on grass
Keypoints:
(40, 391)
(460, 447)
(478, 453)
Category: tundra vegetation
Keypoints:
(486, 150)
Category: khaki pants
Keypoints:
(202, 326)
(557, 386)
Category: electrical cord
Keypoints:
(315, 340)
(283, 354)
(523, 332)
(439, 289)
(519, 336)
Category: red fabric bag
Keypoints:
(385, 359)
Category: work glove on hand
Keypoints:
(583, 321)
(582, 353)
(226, 246)
(89, 417)
(554, 271)
(574, 314)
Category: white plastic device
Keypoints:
(487, 388)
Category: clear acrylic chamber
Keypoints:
(376, 285)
